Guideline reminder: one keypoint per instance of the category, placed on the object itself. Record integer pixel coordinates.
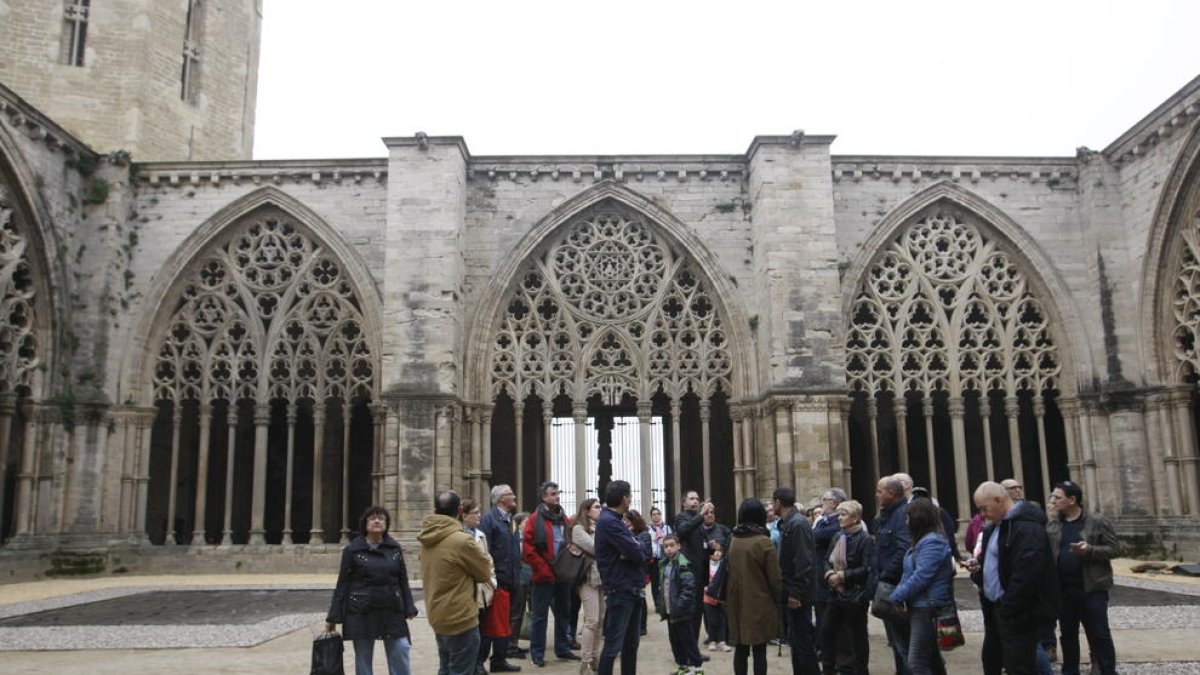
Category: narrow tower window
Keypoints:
(75, 21)
(190, 78)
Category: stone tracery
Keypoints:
(18, 344)
(945, 313)
(268, 315)
(610, 309)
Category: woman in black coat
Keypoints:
(373, 600)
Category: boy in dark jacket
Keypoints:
(679, 590)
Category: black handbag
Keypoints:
(571, 564)
(327, 650)
(882, 606)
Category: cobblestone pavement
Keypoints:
(264, 624)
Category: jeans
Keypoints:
(683, 643)
(897, 636)
(396, 650)
(623, 611)
(550, 597)
(457, 653)
(803, 639)
(924, 657)
(840, 619)
(1090, 609)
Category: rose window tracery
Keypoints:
(268, 314)
(609, 308)
(18, 343)
(945, 308)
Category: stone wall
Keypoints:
(127, 93)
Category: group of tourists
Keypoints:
(782, 575)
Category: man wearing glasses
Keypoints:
(1083, 545)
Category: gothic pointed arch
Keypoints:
(1000, 233)
(31, 286)
(956, 353)
(1170, 301)
(609, 294)
(265, 322)
(315, 274)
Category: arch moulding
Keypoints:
(176, 268)
(51, 285)
(1162, 250)
(486, 320)
(1059, 304)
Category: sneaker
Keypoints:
(712, 646)
(682, 670)
(722, 647)
(698, 670)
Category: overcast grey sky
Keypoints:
(931, 78)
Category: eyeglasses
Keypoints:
(1015, 487)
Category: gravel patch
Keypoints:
(1119, 618)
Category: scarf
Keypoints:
(746, 530)
(540, 517)
(837, 557)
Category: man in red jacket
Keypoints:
(547, 530)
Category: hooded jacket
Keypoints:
(451, 564)
(1032, 597)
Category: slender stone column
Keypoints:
(792, 477)
(485, 418)
(1039, 412)
(198, 519)
(347, 418)
(873, 415)
(231, 423)
(145, 425)
(580, 414)
(736, 414)
(900, 406)
(316, 532)
(379, 418)
(1157, 409)
(290, 478)
(1181, 401)
(125, 429)
(985, 414)
(747, 459)
(676, 463)
(8, 405)
(1088, 463)
(475, 471)
(847, 465)
(1070, 412)
(706, 447)
(961, 480)
(647, 450)
(258, 497)
(25, 477)
(519, 424)
(1012, 410)
(176, 423)
(547, 438)
(751, 435)
(930, 445)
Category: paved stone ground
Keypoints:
(264, 624)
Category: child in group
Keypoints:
(714, 613)
(678, 603)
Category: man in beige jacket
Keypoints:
(451, 565)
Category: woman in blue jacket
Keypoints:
(926, 586)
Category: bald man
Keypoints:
(1016, 574)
